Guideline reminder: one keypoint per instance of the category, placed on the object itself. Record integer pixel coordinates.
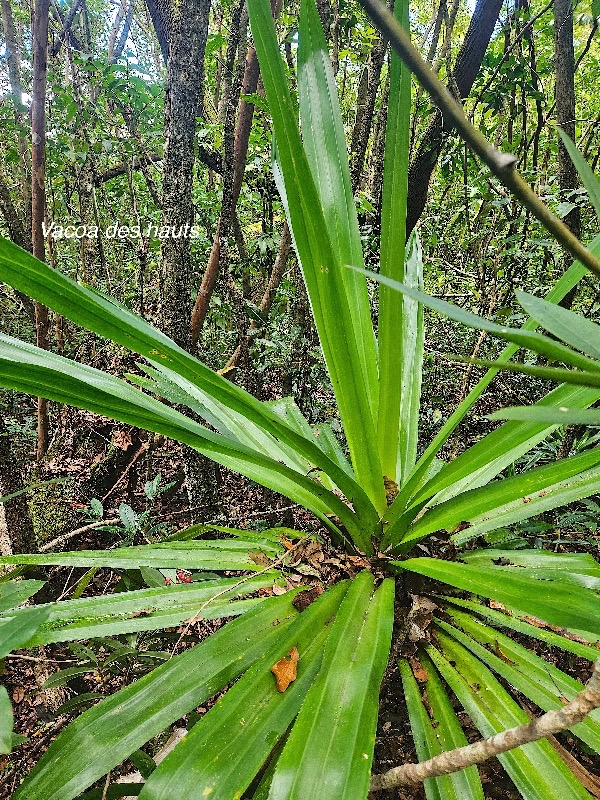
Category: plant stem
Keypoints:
(502, 165)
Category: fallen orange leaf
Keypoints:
(285, 669)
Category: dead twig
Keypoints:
(67, 536)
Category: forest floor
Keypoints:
(87, 445)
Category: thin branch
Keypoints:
(502, 165)
(462, 757)
(65, 537)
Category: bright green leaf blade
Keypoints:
(6, 722)
(555, 601)
(511, 499)
(522, 337)
(114, 792)
(57, 378)
(146, 609)
(225, 750)
(426, 743)
(571, 328)
(570, 279)
(218, 554)
(168, 384)
(556, 374)
(395, 419)
(413, 340)
(447, 734)
(13, 593)
(539, 632)
(486, 459)
(330, 749)
(324, 142)
(16, 630)
(490, 455)
(536, 769)
(571, 565)
(321, 266)
(529, 674)
(586, 173)
(102, 737)
(105, 317)
(561, 415)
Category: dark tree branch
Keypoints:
(468, 64)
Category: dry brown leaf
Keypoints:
(18, 694)
(418, 671)
(285, 669)
(305, 598)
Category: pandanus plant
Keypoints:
(313, 736)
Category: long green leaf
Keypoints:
(556, 374)
(395, 419)
(522, 337)
(13, 593)
(145, 609)
(413, 340)
(573, 329)
(581, 568)
(330, 749)
(482, 462)
(321, 266)
(570, 279)
(529, 674)
(447, 734)
(586, 173)
(6, 722)
(543, 634)
(536, 769)
(102, 737)
(511, 499)
(49, 375)
(224, 751)
(17, 630)
(179, 390)
(490, 455)
(105, 317)
(553, 600)
(218, 554)
(324, 142)
(562, 415)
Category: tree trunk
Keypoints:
(13, 56)
(564, 94)
(468, 64)
(16, 530)
(38, 194)
(236, 151)
(364, 115)
(185, 80)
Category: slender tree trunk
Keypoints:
(185, 80)
(38, 194)
(13, 56)
(234, 163)
(564, 94)
(236, 150)
(468, 64)
(267, 299)
(564, 59)
(16, 530)
(364, 114)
